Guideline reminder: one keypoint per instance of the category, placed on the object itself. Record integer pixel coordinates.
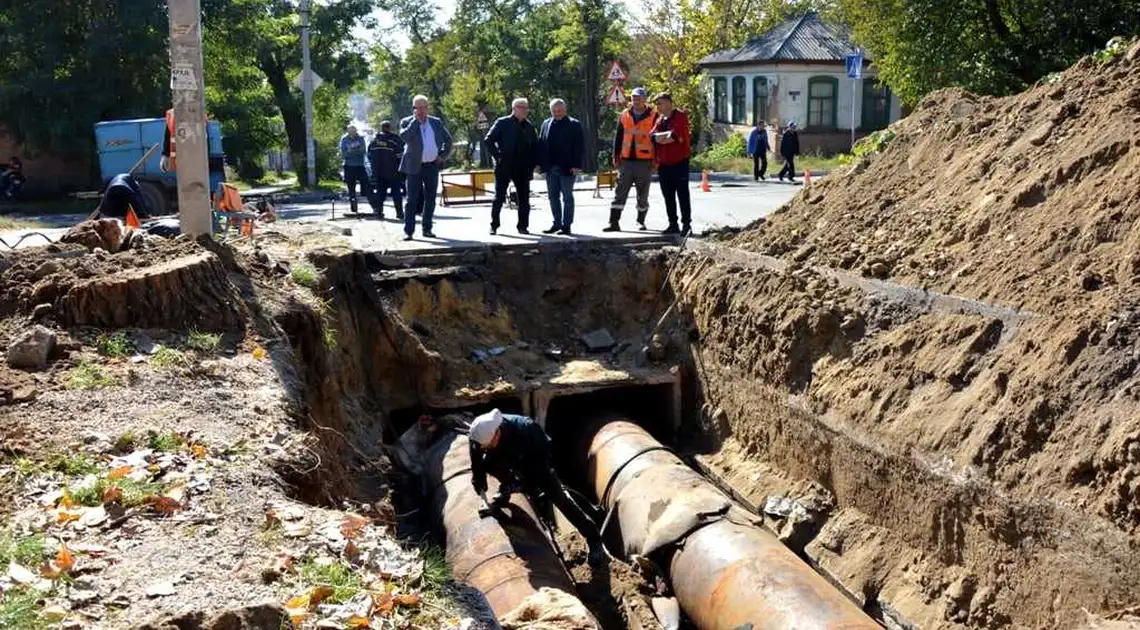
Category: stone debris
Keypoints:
(30, 350)
(598, 340)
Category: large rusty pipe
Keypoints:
(507, 557)
(727, 571)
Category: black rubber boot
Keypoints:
(399, 208)
(641, 219)
(672, 229)
(615, 216)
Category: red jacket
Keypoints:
(677, 151)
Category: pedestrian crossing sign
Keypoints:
(615, 73)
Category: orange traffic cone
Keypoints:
(705, 180)
(807, 176)
(247, 228)
(132, 218)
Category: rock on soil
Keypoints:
(31, 349)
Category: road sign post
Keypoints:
(308, 85)
(188, 89)
(617, 75)
(854, 72)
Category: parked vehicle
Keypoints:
(122, 143)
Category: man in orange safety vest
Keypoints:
(633, 158)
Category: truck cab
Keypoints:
(122, 143)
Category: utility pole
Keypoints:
(188, 89)
(307, 88)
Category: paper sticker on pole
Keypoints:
(616, 97)
(615, 73)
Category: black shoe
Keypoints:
(400, 216)
(672, 229)
(641, 227)
(781, 178)
(407, 237)
(429, 234)
(613, 227)
(686, 229)
(553, 229)
(763, 178)
(524, 231)
(494, 231)
(565, 232)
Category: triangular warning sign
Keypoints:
(615, 73)
(616, 97)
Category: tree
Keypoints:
(985, 46)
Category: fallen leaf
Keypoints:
(297, 616)
(382, 603)
(259, 353)
(411, 600)
(352, 525)
(68, 501)
(163, 589)
(119, 473)
(63, 558)
(355, 622)
(197, 450)
(164, 505)
(112, 494)
(300, 602)
(318, 594)
(65, 517)
(351, 551)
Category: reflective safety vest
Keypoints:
(637, 139)
(230, 199)
(170, 130)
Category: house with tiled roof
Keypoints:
(797, 72)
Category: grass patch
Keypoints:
(436, 571)
(167, 358)
(818, 163)
(166, 442)
(344, 582)
(305, 274)
(204, 342)
(74, 464)
(126, 442)
(27, 551)
(7, 223)
(115, 344)
(19, 610)
(134, 493)
(89, 375)
(328, 337)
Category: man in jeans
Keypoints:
(633, 159)
(672, 139)
(427, 144)
(560, 152)
(514, 145)
(352, 151)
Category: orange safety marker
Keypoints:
(132, 218)
(247, 228)
(705, 180)
(807, 176)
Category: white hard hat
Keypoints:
(483, 427)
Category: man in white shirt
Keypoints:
(427, 145)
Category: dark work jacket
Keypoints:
(790, 143)
(523, 450)
(384, 155)
(121, 191)
(513, 144)
(560, 143)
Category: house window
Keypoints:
(738, 101)
(720, 99)
(876, 105)
(823, 95)
(759, 100)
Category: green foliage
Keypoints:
(874, 143)
(1115, 48)
(89, 375)
(166, 441)
(305, 274)
(27, 550)
(19, 610)
(328, 336)
(72, 464)
(167, 358)
(987, 47)
(114, 344)
(126, 442)
(204, 342)
(436, 573)
(344, 582)
(134, 493)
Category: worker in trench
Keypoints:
(517, 452)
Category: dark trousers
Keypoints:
(421, 190)
(380, 189)
(674, 179)
(789, 169)
(352, 176)
(522, 188)
(553, 491)
(759, 165)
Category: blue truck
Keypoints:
(122, 143)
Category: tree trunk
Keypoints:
(292, 112)
(590, 63)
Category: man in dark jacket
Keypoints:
(122, 193)
(384, 156)
(560, 152)
(673, 142)
(789, 149)
(758, 151)
(517, 452)
(514, 145)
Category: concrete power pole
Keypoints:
(307, 88)
(188, 89)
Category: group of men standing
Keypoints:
(645, 138)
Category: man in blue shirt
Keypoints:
(352, 151)
(517, 452)
(561, 143)
(427, 145)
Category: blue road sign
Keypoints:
(854, 66)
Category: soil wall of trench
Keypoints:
(941, 459)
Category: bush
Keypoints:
(719, 155)
(874, 143)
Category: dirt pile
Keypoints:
(942, 341)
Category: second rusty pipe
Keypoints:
(507, 557)
(726, 570)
